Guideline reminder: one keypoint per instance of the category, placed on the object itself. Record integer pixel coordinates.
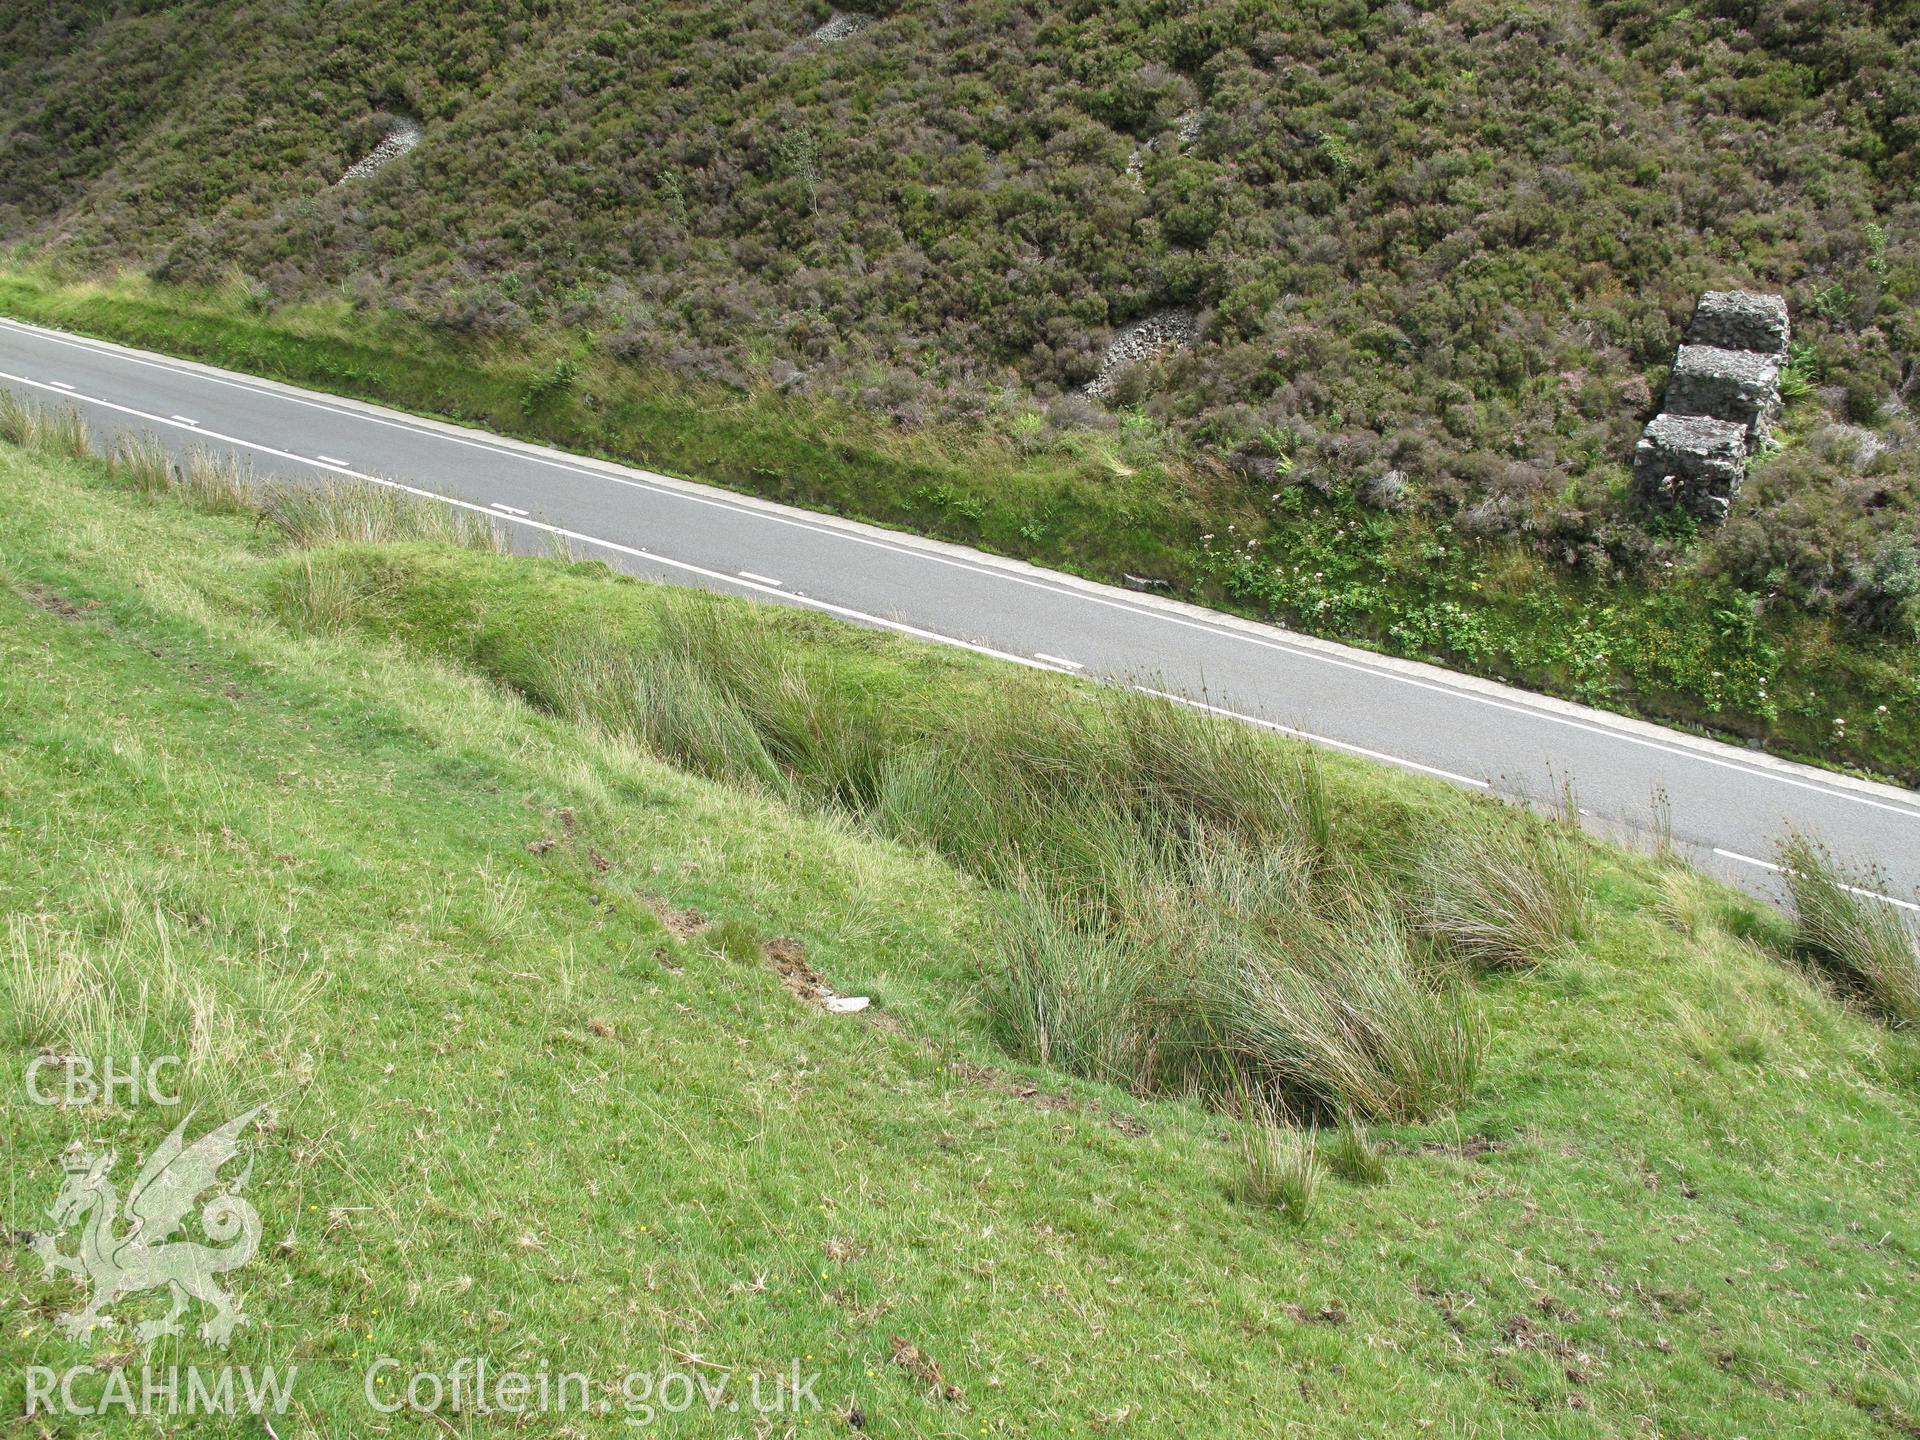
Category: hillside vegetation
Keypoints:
(1437, 257)
(511, 887)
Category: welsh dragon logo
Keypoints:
(142, 1257)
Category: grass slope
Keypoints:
(515, 1113)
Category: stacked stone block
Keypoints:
(1723, 394)
(1737, 385)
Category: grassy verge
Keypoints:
(521, 998)
(1684, 647)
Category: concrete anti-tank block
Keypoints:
(1741, 320)
(1742, 386)
(1692, 461)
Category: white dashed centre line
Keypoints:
(761, 579)
(1735, 855)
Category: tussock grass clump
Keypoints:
(61, 432)
(1340, 1014)
(310, 516)
(1280, 1162)
(1354, 1156)
(1183, 908)
(1860, 942)
(142, 463)
(1180, 910)
(359, 514)
(1189, 766)
(1213, 967)
(19, 420)
(217, 484)
(1505, 897)
(320, 597)
(1075, 997)
(695, 699)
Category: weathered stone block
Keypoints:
(1693, 461)
(1742, 386)
(1740, 320)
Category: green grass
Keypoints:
(524, 1104)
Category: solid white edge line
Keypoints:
(1308, 735)
(826, 607)
(1781, 870)
(762, 579)
(1058, 660)
(60, 385)
(508, 509)
(332, 460)
(807, 602)
(1465, 687)
(184, 420)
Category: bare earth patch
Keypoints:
(41, 598)
(683, 923)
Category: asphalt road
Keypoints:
(1727, 805)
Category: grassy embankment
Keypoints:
(1687, 648)
(281, 803)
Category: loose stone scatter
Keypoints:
(1186, 130)
(1162, 331)
(404, 135)
(840, 25)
